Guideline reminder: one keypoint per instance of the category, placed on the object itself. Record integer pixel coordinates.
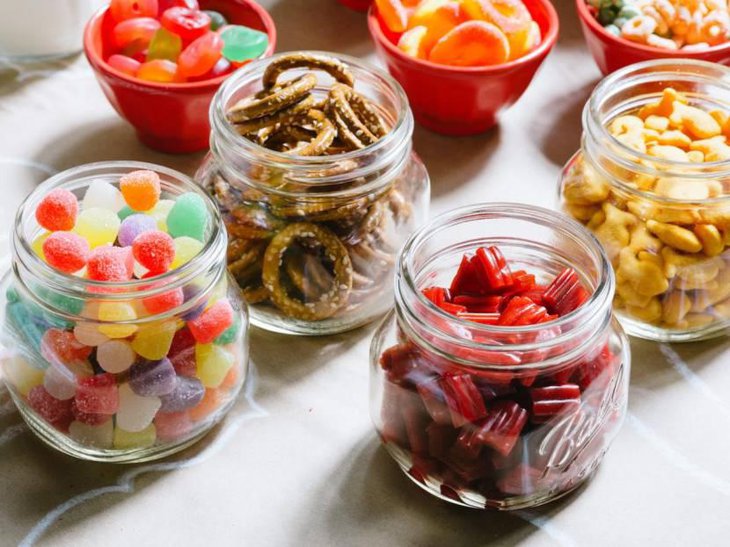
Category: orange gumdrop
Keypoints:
(474, 43)
(393, 14)
(511, 16)
(210, 402)
(439, 17)
(411, 42)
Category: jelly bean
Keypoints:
(113, 314)
(134, 225)
(213, 363)
(182, 352)
(66, 251)
(138, 31)
(187, 23)
(242, 43)
(158, 70)
(212, 401)
(160, 211)
(229, 335)
(474, 43)
(37, 245)
(217, 20)
(115, 356)
(89, 418)
(21, 374)
(223, 66)
(129, 9)
(393, 14)
(186, 248)
(98, 226)
(141, 189)
(212, 322)
(126, 440)
(103, 195)
(154, 250)
(100, 436)
(188, 217)
(124, 64)
(173, 425)
(153, 341)
(164, 45)
(187, 393)
(88, 334)
(109, 263)
(98, 394)
(201, 55)
(57, 210)
(152, 378)
(54, 411)
(135, 412)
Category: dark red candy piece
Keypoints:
(479, 304)
(550, 401)
(502, 427)
(440, 439)
(463, 399)
(521, 480)
(450, 492)
(463, 459)
(392, 429)
(565, 293)
(54, 411)
(98, 394)
(187, 23)
(437, 295)
(453, 309)
(434, 400)
(415, 420)
(465, 280)
(182, 353)
(403, 365)
(492, 269)
(595, 370)
(523, 311)
(483, 318)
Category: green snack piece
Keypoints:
(188, 217)
(27, 331)
(125, 211)
(231, 333)
(618, 3)
(164, 45)
(628, 12)
(613, 29)
(67, 304)
(606, 16)
(216, 19)
(242, 43)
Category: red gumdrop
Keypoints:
(88, 418)
(124, 64)
(167, 4)
(54, 411)
(172, 425)
(109, 263)
(61, 347)
(166, 301)
(57, 210)
(129, 9)
(98, 394)
(66, 251)
(212, 322)
(200, 56)
(182, 353)
(155, 250)
(187, 23)
(138, 31)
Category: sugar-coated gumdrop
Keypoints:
(99, 436)
(54, 411)
(201, 55)
(164, 45)
(172, 425)
(242, 43)
(22, 375)
(67, 304)
(125, 65)
(153, 341)
(109, 263)
(88, 334)
(61, 347)
(231, 333)
(186, 248)
(393, 13)
(188, 393)
(128, 9)
(152, 378)
(111, 314)
(212, 322)
(37, 245)
(98, 226)
(217, 20)
(194, 293)
(159, 213)
(138, 31)
(115, 356)
(155, 250)
(141, 189)
(66, 251)
(57, 210)
(98, 394)
(126, 440)
(26, 325)
(125, 211)
(188, 217)
(474, 43)
(231, 379)
(89, 418)
(158, 70)
(135, 412)
(186, 23)
(212, 401)
(61, 380)
(213, 363)
(134, 225)
(103, 195)
(182, 353)
(163, 302)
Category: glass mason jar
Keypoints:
(665, 224)
(134, 385)
(365, 203)
(452, 399)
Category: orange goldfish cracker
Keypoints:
(671, 153)
(393, 13)
(674, 137)
(665, 106)
(474, 43)
(412, 42)
(694, 121)
(657, 123)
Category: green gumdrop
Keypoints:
(164, 45)
(12, 294)
(231, 333)
(68, 304)
(125, 211)
(188, 217)
(28, 332)
(606, 16)
(216, 19)
(242, 43)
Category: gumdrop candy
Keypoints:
(158, 70)
(212, 401)
(134, 225)
(128, 9)
(88, 334)
(109, 263)
(186, 248)
(37, 245)
(242, 43)
(154, 250)
(152, 378)
(193, 293)
(126, 440)
(125, 211)
(61, 347)
(66, 304)
(61, 380)
(97, 394)
(103, 195)
(26, 326)
(213, 363)
(474, 43)
(164, 45)
(57, 210)
(160, 211)
(188, 217)
(100, 436)
(153, 341)
(115, 356)
(186, 23)
(21, 374)
(164, 302)
(135, 412)
(201, 55)
(112, 314)
(137, 32)
(212, 322)
(125, 65)
(182, 353)
(217, 20)
(89, 418)
(230, 335)
(66, 251)
(54, 411)
(98, 226)
(188, 393)
(173, 425)
(141, 189)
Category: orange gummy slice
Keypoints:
(412, 42)
(509, 15)
(439, 17)
(474, 43)
(532, 40)
(393, 14)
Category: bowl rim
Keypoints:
(587, 18)
(97, 62)
(546, 44)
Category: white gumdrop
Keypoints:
(60, 382)
(88, 334)
(99, 436)
(104, 195)
(135, 412)
(115, 356)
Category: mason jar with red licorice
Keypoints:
(501, 377)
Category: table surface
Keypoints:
(297, 461)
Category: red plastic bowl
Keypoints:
(612, 52)
(464, 100)
(357, 5)
(168, 117)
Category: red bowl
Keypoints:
(357, 5)
(464, 100)
(168, 117)
(612, 52)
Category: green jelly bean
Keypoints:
(217, 20)
(164, 45)
(188, 217)
(242, 43)
(231, 333)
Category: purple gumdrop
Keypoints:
(192, 292)
(134, 225)
(188, 393)
(152, 378)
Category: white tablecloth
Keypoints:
(297, 462)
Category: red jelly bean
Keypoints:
(107, 263)
(137, 31)
(57, 210)
(565, 293)
(154, 250)
(124, 64)
(212, 322)
(129, 9)
(54, 411)
(66, 251)
(187, 23)
(201, 55)
(98, 394)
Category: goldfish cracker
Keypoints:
(711, 239)
(657, 123)
(651, 312)
(695, 121)
(713, 149)
(644, 276)
(682, 189)
(665, 152)
(675, 306)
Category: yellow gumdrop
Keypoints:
(37, 245)
(153, 341)
(124, 440)
(111, 312)
(213, 363)
(186, 248)
(98, 226)
(160, 211)
(21, 374)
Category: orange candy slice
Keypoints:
(439, 17)
(393, 14)
(412, 42)
(474, 43)
(511, 16)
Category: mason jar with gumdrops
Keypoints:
(488, 411)
(122, 371)
(652, 181)
(313, 238)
